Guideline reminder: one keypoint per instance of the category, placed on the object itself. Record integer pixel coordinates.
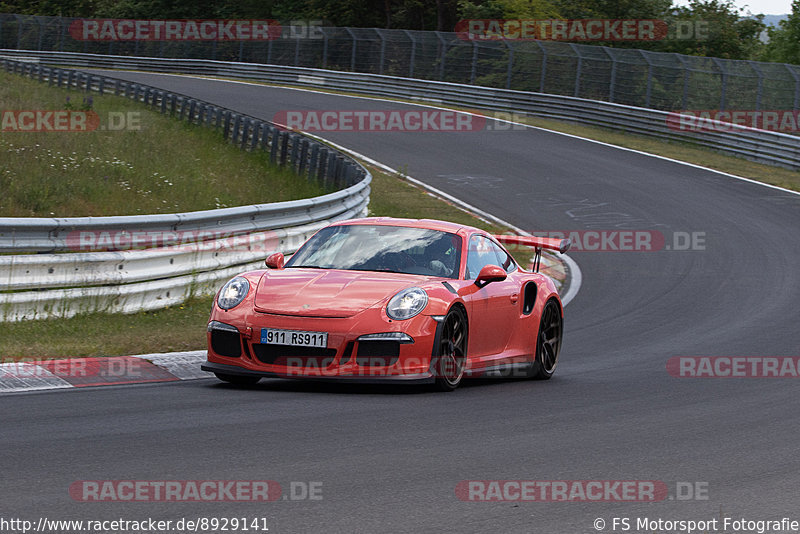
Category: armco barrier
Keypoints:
(198, 250)
(768, 147)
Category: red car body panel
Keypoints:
(347, 304)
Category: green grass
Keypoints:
(166, 166)
(98, 334)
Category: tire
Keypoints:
(451, 357)
(239, 380)
(548, 342)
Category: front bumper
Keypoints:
(235, 348)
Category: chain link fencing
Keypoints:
(654, 80)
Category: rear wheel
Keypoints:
(452, 351)
(548, 343)
(239, 380)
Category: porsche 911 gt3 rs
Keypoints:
(380, 299)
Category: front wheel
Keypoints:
(239, 380)
(452, 351)
(548, 342)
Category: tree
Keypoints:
(784, 41)
(719, 29)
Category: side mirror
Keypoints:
(490, 273)
(275, 261)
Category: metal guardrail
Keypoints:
(773, 148)
(195, 251)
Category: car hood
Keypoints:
(327, 293)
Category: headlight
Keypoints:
(233, 293)
(407, 303)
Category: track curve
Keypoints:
(390, 459)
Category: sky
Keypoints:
(767, 7)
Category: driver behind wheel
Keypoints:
(443, 254)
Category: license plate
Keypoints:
(296, 338)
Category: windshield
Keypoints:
(395, 249)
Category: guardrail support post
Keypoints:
(245, 133)
(285, 139)
(303, 154)
(273, 148)
(313, 161)
(192, 110)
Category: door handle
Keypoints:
(514, 298)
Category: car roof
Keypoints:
(430, 224)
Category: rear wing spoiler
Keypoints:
(537, 243)
(561, 245)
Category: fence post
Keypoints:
(791, 70)
(63, 35)
(383, 51)
(442, 58)
(612, 82)
(686, 71)
(724, 87)
(760, 89)
(413, 53)
(352, 50)
(324, 48)
(544, 66)
(509, 71)
(474, 66)
(19, 32)
(41, 32)
(577, 91)
(649, 78)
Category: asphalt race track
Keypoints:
(390, 459)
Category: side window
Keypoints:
(504, 259)
(482, 252)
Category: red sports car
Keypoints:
(389, 299)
